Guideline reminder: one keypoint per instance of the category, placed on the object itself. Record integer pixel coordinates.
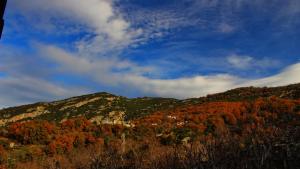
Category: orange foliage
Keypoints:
(61, 144)
(204, 121)
(79, 124)
(225, 115)
(3, 155)
(32, 132)
(230, 118)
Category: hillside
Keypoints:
(238, 129)
(98, 107)
(105, 107)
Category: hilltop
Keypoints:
(238, 129)
(107, 107)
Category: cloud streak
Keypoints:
(244, 62)
(91, 38)
(180, 88)
(24, 90)
(105, 29)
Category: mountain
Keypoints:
(238, 129)
(96, 107)
(109, 108)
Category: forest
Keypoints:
(260, 134)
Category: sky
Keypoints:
(56, 49)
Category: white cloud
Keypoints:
(226, 28)
(289, 75)
(240, 62)
(203, 85)
(248, 62)
(107, 30)
(19, 90)
(26, 80)
(184, 87)
(133, 78)
(102, 69)
(180, 88)
(96, 14)
(96, 55)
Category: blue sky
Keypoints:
(173, 48)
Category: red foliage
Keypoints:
(62, 144)
(78, 124)
(230, 118)
(32, 132)
(89, 139)
(106, 130)
(205, 120)
(3, 155)
(226, 116)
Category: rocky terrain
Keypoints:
(239, 129)
(109, 108)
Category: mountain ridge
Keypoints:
(102, 105)
(247, 123)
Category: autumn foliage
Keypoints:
(219, 118)
(32, 132)
(243, 123)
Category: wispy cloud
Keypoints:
(181, 87)
(17, 90)
(156, 23)
(226, 28)
(106, 29)
(105, 70)
(26, 80)
(98, 32)
(248, 62)
(240, 62)
(98, 15)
